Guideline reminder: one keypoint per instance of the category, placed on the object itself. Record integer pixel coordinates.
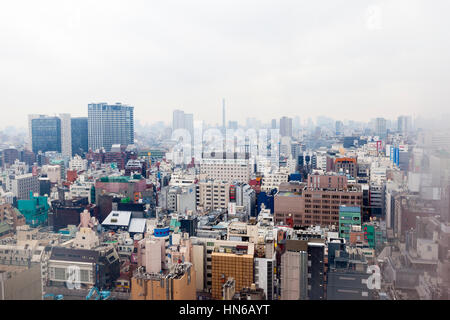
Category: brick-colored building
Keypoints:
(179, 285)
(315, 204)
(348, 165)
(230, 265)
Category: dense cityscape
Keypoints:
(102, 207)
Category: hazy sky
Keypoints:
(349, 59)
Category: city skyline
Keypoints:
(361, 59)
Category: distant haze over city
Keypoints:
(345, 59)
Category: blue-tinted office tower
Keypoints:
(110, 124)
(46, 134)
(79, 127)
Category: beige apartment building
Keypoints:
(213, 195)
(226, 167)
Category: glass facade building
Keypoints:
(79, 127)
(110, 124)
(46, 134)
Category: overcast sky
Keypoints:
(349, 59)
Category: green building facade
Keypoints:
(35, 210)
(348, 217)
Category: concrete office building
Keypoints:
(109, 125)
(230, 167)
(22, 185)
(213, 195)
(78, 164)
(314, 205)
(273, 180)
(294, 271)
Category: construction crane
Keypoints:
(101, 295)
(55, 297)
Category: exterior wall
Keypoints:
(316, 271)
(348, 217)
(110, 124)
(24, 285)
(78, 164)
(230, 170)
(226, 265)
(327, 182)
(348, 286)
(214, 195)
(294, 275)
(285, 205)
(213, 244)
(273, 181)
(315, 206)
(79, 131)
(199, 259)
(348, 165)
(264, 276)
(165, 288)
(22, 185)
(427, 250)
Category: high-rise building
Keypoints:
(274, 123)
(339, 127)
(178, 120)
(66, 135)
(9, 156)
(296, 123)
(404, 124)
(110, 124)
(286, 127)
(46, 134)
(189, 123)
(183, 120)
(30, 133)
(380, 127)
(79, 131)
(223, 116)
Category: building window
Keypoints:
(84, 275)
(60, 273)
